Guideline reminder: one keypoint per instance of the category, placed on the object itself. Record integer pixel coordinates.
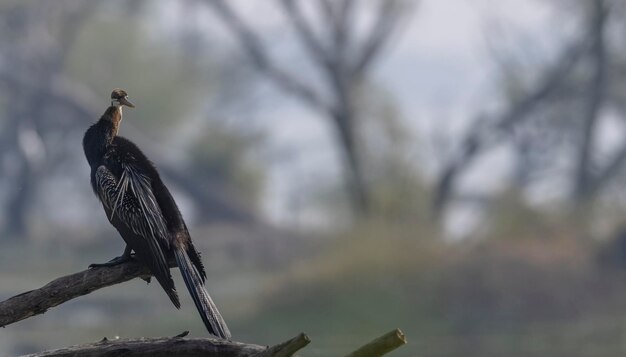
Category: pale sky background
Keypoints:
(439, 70)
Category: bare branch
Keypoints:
(610, 171)
(596, 93)
(287, 348)
(479, 139)
(58, 291)
(471, 146)
(63, 289)
(339, 57)
(304, 31)
(382, 345)
(339, 13)
(389, 14)
(255, 49)
(170, 346)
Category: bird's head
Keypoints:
(119, 97)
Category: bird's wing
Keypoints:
(130, 200)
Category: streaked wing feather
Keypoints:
(141, 188)
(131, 199)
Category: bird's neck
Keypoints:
(100, 136)
(111, 120)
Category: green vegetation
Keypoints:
(526, 297)
(530, 280)
(540, 292)
(221, 156)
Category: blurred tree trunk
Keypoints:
(585, 63)
(211, 205)
(341, 56)
(584, 187)
(19, 202)
(29, 81)
(46, 105)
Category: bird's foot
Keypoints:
(113, 262)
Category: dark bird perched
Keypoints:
(141, 208)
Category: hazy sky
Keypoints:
(439, 70)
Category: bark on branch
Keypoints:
(287, 348)
(58, 291)
(382, 345)
(177, 346)
(207, 347)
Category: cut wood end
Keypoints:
(401, 336)
(382, 345)
(304, 337)
(287, 348)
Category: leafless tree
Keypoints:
(342, 57)
(29, 74)
(44, 108)
(555, 118)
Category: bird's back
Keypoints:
(121, 154)
(128, 184)
(125, 152)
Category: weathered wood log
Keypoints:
(176, 346)
(382, 345)
(287, 348)
(58, 291)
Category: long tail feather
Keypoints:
(208, 311)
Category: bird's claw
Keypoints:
(113, 262)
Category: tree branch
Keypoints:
(66, 288)
(287, 348)
(389, 14)
(477, 140)
(609, 172)
(340, 14)
(254, 47)
(382, 345)
(303, 29)
(583, 181)
(63, 289)
(170, 346)
(58, 291)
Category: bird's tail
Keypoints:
(206, 307)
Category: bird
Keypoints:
(139, 205)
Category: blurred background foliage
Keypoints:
(454, 169)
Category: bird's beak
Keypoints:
(126, 102)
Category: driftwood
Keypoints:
(60, 290)
(207, 347)
(178, 346)
(382, 345)
(287, 348)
